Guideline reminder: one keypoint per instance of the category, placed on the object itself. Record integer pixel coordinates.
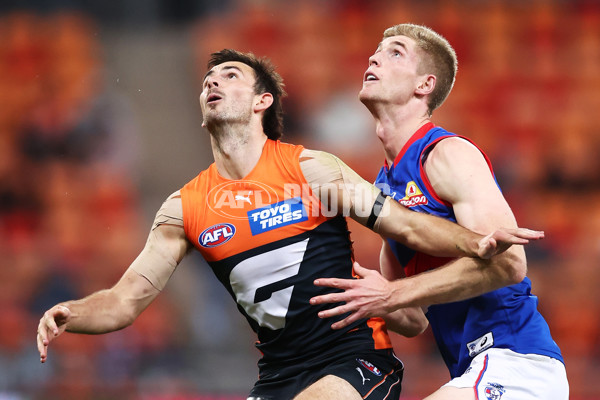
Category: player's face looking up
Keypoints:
(393, 73)
(228, 94)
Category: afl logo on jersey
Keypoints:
(369, 366)
(216, 235)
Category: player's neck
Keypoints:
(396, 128)
(237, 151)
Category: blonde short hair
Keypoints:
(439, 58)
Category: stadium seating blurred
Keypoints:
(71, 203)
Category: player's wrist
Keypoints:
(398, 291)
(475, 247)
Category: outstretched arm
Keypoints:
(409, 321)
(467, 183)
(374, 296)
(115, 308)
(334, 181)
(104, 311)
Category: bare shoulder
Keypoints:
(454, 151)
(456, 168)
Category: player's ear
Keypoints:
(263, 101)
(426, 85)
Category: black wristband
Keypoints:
(377, 206)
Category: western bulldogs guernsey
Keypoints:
(266, 241)
(505, 318)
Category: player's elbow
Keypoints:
(513, 268)
(416, 328)
(131, 310)
(127, 318)
(407, 322)
(518, 272)
(124, 313)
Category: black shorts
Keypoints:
(376, 375)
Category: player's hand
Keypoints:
(500, 240)
(52, 324)
(366, 297)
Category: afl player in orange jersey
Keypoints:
(269, 218)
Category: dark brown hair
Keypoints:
(267, 81)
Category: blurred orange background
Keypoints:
(99, 123)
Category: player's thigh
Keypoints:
(329, 387)
(452, 393)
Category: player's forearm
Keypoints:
(426, 233)
(100, 312)
(459, 280)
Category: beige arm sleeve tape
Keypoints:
(171, 212)
(166, 244)
(326, 174)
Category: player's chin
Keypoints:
(366, 96)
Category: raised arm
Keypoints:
(467, 183)
(115, 308)
(332, 180)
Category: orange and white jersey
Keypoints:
(266, 240)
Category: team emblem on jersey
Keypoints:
(414, 196)
(216, 235)
(277, 215)
(494, 391)
(233, 198)
(369, 366)
(480, 344)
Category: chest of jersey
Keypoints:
(266, 241)
(225, 217)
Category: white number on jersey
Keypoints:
(263, 284)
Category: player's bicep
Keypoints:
(467, 183)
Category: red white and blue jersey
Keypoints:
(505, 318)
(267, 241)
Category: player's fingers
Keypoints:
(42, 343)
(328, 298)
(345, 322)
(509, 238)
(332, 312)
(525, 233)
(334, 283)
(42, 331)
(487, 247)
(360, 271)
(50, 324)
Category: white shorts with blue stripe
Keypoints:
(502, 374)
